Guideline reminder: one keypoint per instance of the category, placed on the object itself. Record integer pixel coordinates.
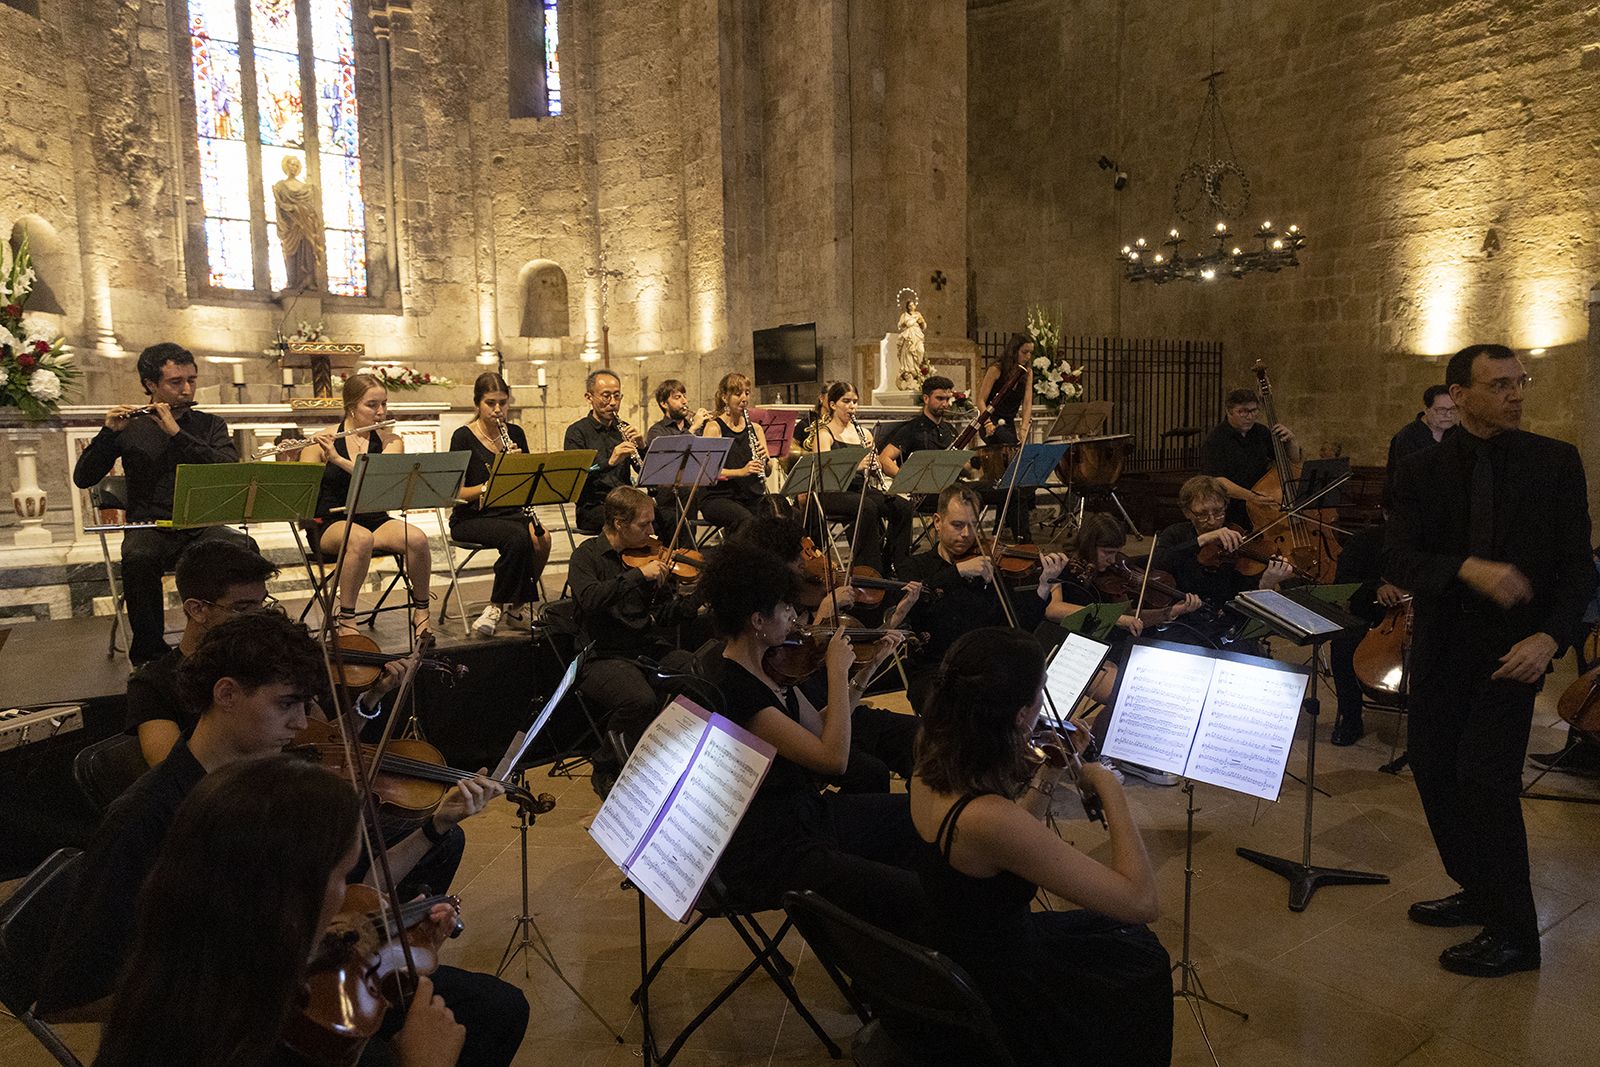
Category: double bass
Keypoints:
(1306, 540)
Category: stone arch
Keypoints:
(543, 288)
(44, 248)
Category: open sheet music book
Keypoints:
(1222, 718)
(678, 801)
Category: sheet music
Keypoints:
(648, 779)
(700, 818)
(1071, 670)
(1247, 727)
(1159, 702)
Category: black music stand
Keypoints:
(777, 427)
(824, 472)
(927, 473)
(684, 461)
(1312, 624)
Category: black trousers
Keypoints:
(1341, 658)
(881, 744)
(621, 697)
(147, 554)
(514, 579)
(860, 861)
(1468, 736)
(495, 1014)
(885, 520)
(728, 512)
(1017, 515)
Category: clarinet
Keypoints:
(529, 512)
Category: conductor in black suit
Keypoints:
(1490, 531)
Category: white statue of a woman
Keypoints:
(910, 350)
(299, 220)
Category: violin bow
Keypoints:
(1295, 509)
(1144, 583)
(826, 546)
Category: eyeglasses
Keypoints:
(238, 606)
(1500, 386)
(609, 396)
(1208, 513)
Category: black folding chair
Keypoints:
(920, 1009)
(105, 769)
(27, 923)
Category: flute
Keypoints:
(295, 444)
(150, 409)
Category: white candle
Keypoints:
(541, 378)
(288, 376)
(238, 374)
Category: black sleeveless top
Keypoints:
(483, 457)
(745, 486)
(1005, 411)
(971, 911)
(336, 480)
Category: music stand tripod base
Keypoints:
(1305, 880)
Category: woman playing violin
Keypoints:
(1083, 986)
(250, 875)
(1095, 551)
(852, 847)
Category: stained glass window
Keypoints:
(552, 60)
(305, 107)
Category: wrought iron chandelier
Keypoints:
(1215, 187)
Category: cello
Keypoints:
(1305, 540)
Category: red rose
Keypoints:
(41, 348)
(14, 310)
(27, 360)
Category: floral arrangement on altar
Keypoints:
(398, 378)
(1054, 379)
(35, 368)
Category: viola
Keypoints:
(681, 563)
(805, 650)
(359, 662)
(1249, 559)
(412, 779)
(1579, 705)
(358, 974)
(1309, 545)
(1380, 658)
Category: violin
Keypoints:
(410, 782)
(1380, 658)
(805, 650)
(1249, 559)
(1309, 545)
(1048, 748)
(358, 974)
(1579, 705)
(681, 563)
(1121, 582)
(1014, 561)
(870, 586)
(360, 660)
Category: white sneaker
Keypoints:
(1111, 765)
(485, 626)
(1149, 774)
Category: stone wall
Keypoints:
(1398, 134)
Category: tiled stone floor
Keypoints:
(1349, 981)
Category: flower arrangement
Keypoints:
(305, 332)
(1054, 379)
(35, 368)
(398, 378)
(961, 402)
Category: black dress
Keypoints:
(1006, 409)
(336, 488)
(732, 501)
(1065, 987)
(505, 529)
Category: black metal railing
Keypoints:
(1166, 393)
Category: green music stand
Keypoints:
(520, 479)
(1096, 621)
(824, 472)
(238, 494)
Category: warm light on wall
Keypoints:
(1547, 312)
(1440, 307)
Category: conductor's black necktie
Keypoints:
(1480, 523)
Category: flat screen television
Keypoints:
(786, 355)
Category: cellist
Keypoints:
(255, 676)
(1239, 451)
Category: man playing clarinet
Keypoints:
(1490, 532)
(151, 441)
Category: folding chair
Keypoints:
(919, 1007)
(317, 562)
(28, 921)
(104, 770)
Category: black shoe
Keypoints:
(1453, 910)
(1490, 955)
(1347, 730)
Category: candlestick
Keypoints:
(288, 377)
(541, 378)
(238, 373)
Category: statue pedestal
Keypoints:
(889, 398)
(28, 500)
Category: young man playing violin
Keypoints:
(965, 579)
(625, 612)
(257, 677)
